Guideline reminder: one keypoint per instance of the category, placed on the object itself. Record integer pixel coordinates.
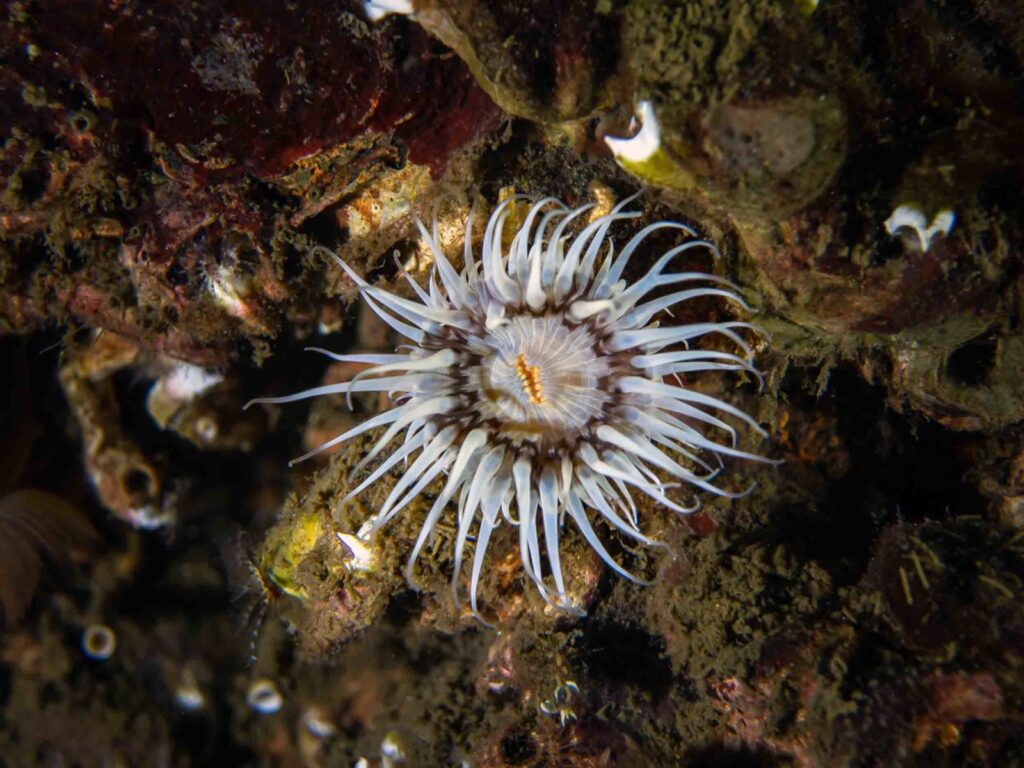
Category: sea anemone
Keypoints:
(535, 382)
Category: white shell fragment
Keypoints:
(187, 382)
(378, 9)
(176, 389)
(318, 723)
(644, 144)
(362, 556)
(910, 220)
(149, 517)
(188, 695)
(391, 752)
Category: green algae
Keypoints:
(723, 599)
(696, 53)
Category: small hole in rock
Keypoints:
(80, 122)
(33, 184)
(136, 482)
(971, 363)
(518, 746)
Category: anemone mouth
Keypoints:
(540, 386)
(538, 379)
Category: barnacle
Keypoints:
(560, 706)
(264, 697)
(535, 381)
(99, 642)
(187, 693)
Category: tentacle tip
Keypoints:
(563, 604)
(323, 249)
(410, 580)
